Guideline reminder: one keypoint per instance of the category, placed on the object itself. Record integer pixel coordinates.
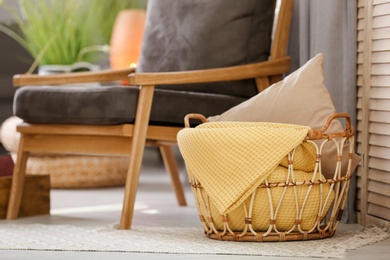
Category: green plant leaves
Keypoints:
(56, 31)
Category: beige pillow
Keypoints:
(300, 98)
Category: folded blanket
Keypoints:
(231, 159)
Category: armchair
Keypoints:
(121, 120)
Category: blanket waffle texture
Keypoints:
(231, 159)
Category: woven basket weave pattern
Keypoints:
(81, 171)
(221, 150)
(68, 171)
(293, 199)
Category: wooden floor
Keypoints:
(155, 206)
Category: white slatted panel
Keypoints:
(373, 129)
(360, 59)
(379, 129)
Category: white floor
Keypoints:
(155, 206)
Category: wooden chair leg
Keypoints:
(17, 185)
(136, 154)
(262, 83)
(171, 167)
(275, 79)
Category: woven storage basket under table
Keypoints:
(260, 182)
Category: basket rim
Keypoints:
(313, 134)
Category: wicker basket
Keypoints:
(293, 203)
(68, 171)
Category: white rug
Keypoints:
(174, 241)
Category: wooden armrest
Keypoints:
(75, 77)
(249, 71)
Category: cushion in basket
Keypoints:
(301, 98)
(200, 34)
(112, 105)
(231, 160)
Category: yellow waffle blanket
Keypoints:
(231, 159)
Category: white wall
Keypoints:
(4, 16)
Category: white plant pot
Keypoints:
(76, 67)
(56, 69)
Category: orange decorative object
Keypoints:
(126, 38)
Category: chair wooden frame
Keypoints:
(131, 139)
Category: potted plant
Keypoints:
(70, 34)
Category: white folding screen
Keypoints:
(373, 129)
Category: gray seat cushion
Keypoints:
(200, 34)
(113, 105)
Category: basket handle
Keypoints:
(311, 135)
(193, 116)
(319, 133)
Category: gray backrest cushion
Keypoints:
(198, 34)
